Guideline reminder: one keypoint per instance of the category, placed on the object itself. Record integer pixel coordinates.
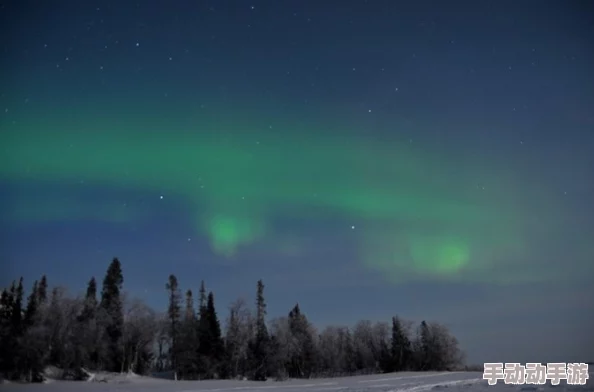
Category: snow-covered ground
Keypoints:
(400, 382)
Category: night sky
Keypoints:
(431, 159)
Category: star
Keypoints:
(161, 197)
(353, 227)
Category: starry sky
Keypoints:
(366, 158)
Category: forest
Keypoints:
(108, 331)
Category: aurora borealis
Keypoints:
(233, 187)
(332, 157)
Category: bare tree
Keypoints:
(163, 343)
(362, 342)
(331, 354)
(61, 322)
(380, 346)
(140, 331)
(283, 345)
(445, 350)
(239, 330)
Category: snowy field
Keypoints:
(401, 382)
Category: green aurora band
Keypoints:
(416, 213)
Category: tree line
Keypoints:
(107, 331)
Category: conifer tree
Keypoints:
(425, 346)
(261, 329)
(202, 298)
(32, 306)
(202, 334)
(17, 309)
(42, 290)
(113, 308)
(8, 343)
(89, 309)
(400, 349)
(87, 331)
(190, 315)
(259, 347)
(187, 360)
(214, 330)
(174, 316)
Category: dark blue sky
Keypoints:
(365, 158)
